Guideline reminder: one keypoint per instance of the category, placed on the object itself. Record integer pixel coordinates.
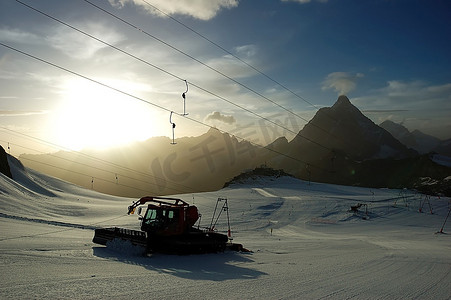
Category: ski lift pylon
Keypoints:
(184, 100)
(173, 128)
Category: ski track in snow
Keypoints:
(54, 223)
(306, 244)
(263, 192)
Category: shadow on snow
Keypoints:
(214, 267)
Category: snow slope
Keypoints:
(306, 244)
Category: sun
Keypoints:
(94, 116)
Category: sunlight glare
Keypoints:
(93, 116)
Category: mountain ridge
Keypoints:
(333, 147)
(421, 142)
(344, 128)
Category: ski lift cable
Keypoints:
(99, 40)
(205, 65)
(100, 178)
(149, 102)
(176, 190)
(86, 175)
(102, 161)
(178, 77)
(250, 66)
(90, 166)
(233, 55)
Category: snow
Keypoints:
(306, 244)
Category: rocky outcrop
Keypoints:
(4, 166)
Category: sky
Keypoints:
(97, 73)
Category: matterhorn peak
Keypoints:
(342, 101)
(344, 105)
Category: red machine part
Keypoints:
(158, 200)
(192, 215)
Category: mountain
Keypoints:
(343, 128)
(4, 166)
(342, 146)
(444, 148)
(155, 166)
(339, 145)
(337, 139)
(417, 140)
(399, 132)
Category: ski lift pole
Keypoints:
(173, 128)
(220, 212)
(224, 207)
(200, 219)
(229, 232)
(213, 216)
(443, 226)
(184, 99)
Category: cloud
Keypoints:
(341, 82)
(79, 46)
(231, 67)
(15, 113)
(416, 93)
(199, 9)
(384, 111)
(246, 51)
(18, 36)
(217, 116)
(418, 104)
(408, 95)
